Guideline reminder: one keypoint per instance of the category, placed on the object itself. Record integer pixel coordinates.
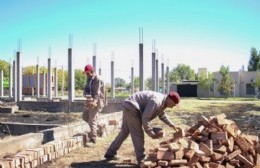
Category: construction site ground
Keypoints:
(245, 113)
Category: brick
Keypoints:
(232, 155)
(193, 161)
(38, 152)
(113, 122)
(219, 136)
(171, 146)
(229, 165)
(203, 147)
(252, 139)
(198, 165)
(230, 131)
(178, 162)
(165, 155)
(193, 145)
(162, 163)
(220, 148)
(258, 159)
(209, 143)
(204, 159)
(179, 154)
(28, 154)
(199, 130)
(34, 163)
(217, 156)
(242, 143)
(152, 156)
(244, 160)
(184, 142)
(6, 163)
(189, 153)
(230, 147)
(146, 164)
(204, 121)
(215, 165)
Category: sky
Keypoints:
(197, 33)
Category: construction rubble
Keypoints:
(213, 142)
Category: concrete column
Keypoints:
(132, 80)
(167, 80)
(55, 82)
(157, 75)
(153, 72)
(49, 79)
(1, 83)
(15, 81)
(19, 76)
(162, 77)
(71, 80)
(141, 61)
(62, 82)
(94, 57)
(10, 80)
(44, 84)
(112, 80)
(99, 72)
(37, 81)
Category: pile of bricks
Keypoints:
(214, 142)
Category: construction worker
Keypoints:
(94, 92)
(139, 109)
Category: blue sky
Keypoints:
(198, 33)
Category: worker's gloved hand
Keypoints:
(158, 133)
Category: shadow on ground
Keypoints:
(101, 164)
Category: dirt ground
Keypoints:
(246, 114)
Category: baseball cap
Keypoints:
(174, 96)
(88, 68)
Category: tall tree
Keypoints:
(4, 65)
(182, 72)
(226, 84)
(206, 80)
(254, 60)
(119, 82)
(80, 79)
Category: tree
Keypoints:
(206, 80)
(4, 65)
(256, 83)
(148, 83)
(182, 72)
(119, 82)
(225, 86)
(80, 79)
(254, 60)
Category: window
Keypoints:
(250, 90)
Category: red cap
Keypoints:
(88, 68)
(174, 96)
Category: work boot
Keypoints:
(110, 157)
(91, 143)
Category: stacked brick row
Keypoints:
(33, 157)
(30, 158)
(211, 143)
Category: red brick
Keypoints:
(244, 160)
(219, 136)
(162, 163)
(220, 148)
(177, 162)
(203, 147)
(165, 155)
(193, 161)
(215, 165)
(198, 165)
(229, 165)
(230, 147)
(233, 154)
(189, 153)
(179, 154)
(242, 143)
